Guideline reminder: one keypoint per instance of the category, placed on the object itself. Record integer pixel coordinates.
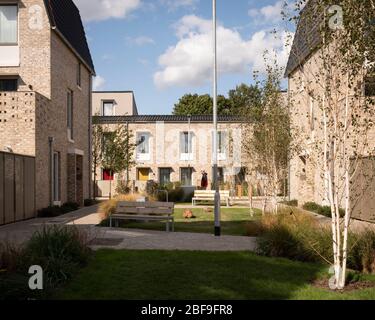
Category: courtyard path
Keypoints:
(87, 219)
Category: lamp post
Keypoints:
(215, 146)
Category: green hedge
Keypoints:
(323, 210)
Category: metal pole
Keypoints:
(215, 146)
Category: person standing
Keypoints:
(204, 182)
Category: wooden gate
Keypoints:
(17, 188)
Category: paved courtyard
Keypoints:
(87, 219)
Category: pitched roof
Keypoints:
(307, 37)
(65, 17)
(165, 118)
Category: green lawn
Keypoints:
(234, 221)
(198, 275)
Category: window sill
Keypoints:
(186, 157)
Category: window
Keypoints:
(69, 107)
(186, 146)
(370, 86)
(186, 176)
(108, 108)
(56, 176)
(143, 146)
(220, 174)
(8, 84)
(79, 75)
(164, 176)
(221, 144)
(8, 24)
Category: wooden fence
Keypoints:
(17, 188)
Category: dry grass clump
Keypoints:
(109, 207)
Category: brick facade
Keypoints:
(38, 111)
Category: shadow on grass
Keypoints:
(188, 275)
(237, 228)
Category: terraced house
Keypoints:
(170, 148)
(45, 106)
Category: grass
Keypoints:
(233, 221)
(174, 275)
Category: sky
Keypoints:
(162, 49)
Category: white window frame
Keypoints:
(113, 107)
(140, 155)
(15, 43)
(186, 156)
(223, 147)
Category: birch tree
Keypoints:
(96, 151)
(334, 57)
(268, 137)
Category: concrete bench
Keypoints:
(145, 211)
(209, 195)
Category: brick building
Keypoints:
(304, 73)
(170, 148)
(45, 95)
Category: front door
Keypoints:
(143, 174)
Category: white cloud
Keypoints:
(189, 62)
(96, 10)
(140, 41)
(267, 14)
(175, 4)
(98, 83)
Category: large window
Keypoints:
(108, 108)
(221, 145)
(8, 24)
(186, 145)
(8, 84)
(69, 107)
(186, 176)
(164, 176)
(143, 146)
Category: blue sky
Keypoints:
(161, 49)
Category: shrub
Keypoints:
(362, 255)
(55, 211)
(322, 210)
(123, 187)
(90, 202)
(9, 256)
(49, 212)
(291, 203)
(69, 207)
(311, 206)
(175, 193)
(58, 250)
(300, 237)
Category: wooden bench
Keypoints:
(146, 211)
(209, 195)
